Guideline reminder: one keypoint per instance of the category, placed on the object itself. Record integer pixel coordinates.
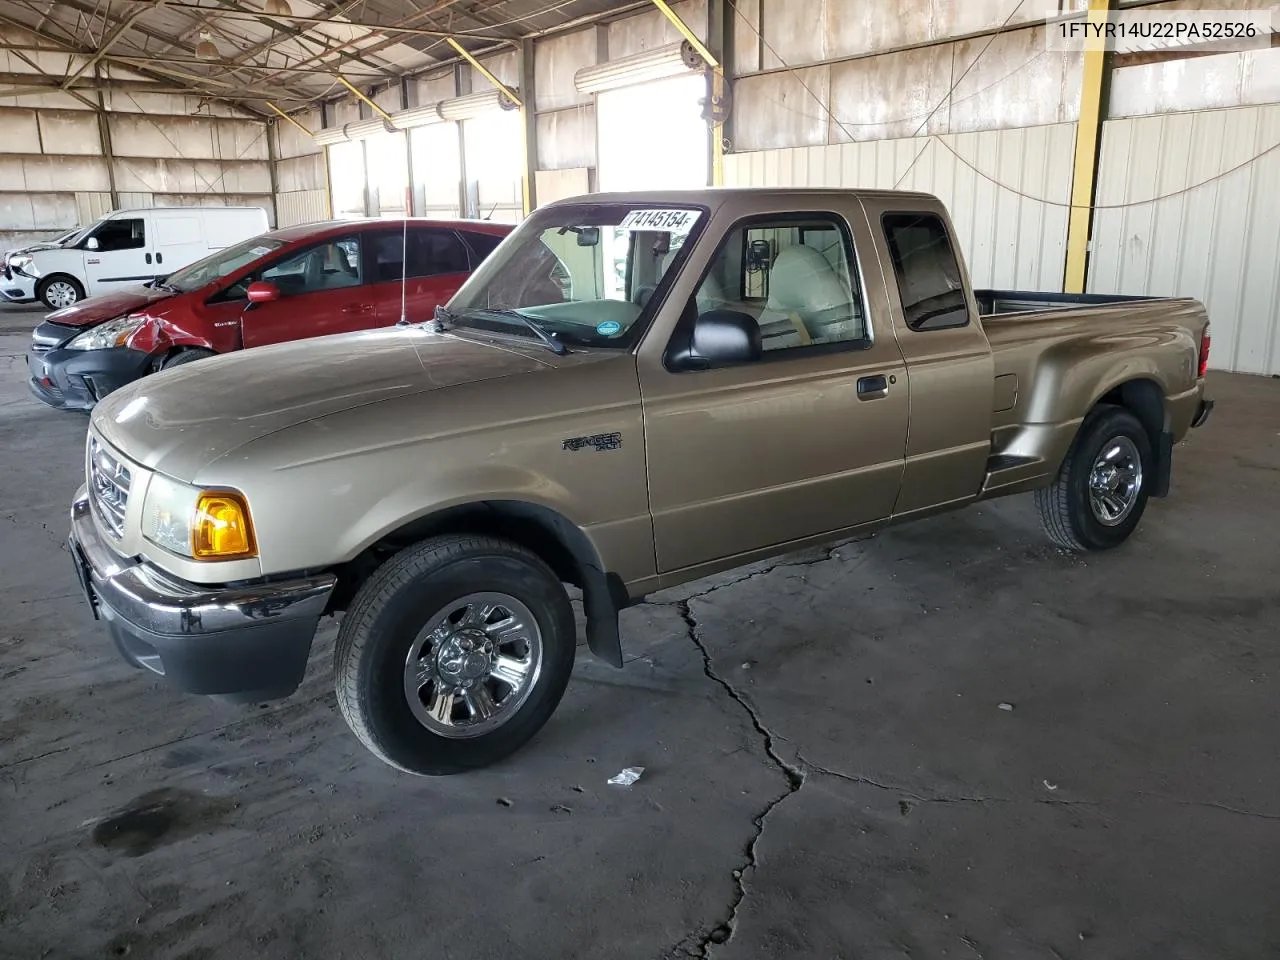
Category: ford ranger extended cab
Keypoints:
(633, 391)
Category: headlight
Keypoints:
(22, 264)
(113, 333)
(200, 524)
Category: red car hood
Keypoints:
(107, 307)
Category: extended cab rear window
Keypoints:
(929, 280)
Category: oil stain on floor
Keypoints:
(157, 818)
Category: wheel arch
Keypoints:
(43, 283)
(553, 537)
(1144, 397)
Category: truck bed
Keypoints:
(994, 302)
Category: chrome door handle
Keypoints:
(873, 388)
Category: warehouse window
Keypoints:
(928, 273)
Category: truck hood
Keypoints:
(32, 248)
(180, 420)
(95, 310)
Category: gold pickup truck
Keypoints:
(633, 391)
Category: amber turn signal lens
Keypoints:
(223, 530)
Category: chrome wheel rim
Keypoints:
(473, 665)
(61, 294)
(1115, 480)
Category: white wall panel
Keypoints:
(21, 131)
(435, 87)
(1225, 80)
(1189, 205)
(803, 32)
(69, 132)
(556, 185)
(190, 176)
(1000, 186)
(650, 30)
(555, 61)
(301, 173)
(567, 138)
(301, 206)
(504, 66)
(41, 174)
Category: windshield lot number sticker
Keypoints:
(670, 221)
(609, 328)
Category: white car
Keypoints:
(18, 287)
(126, 248)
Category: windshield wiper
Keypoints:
(554, 345)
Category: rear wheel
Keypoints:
(454, 654)
(1101, 491)
(60, 291)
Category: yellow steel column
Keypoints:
(1088, 135)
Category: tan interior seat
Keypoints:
(808, 302)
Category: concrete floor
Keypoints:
(828, 768)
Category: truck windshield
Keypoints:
(220, 264)
(585, 272)
(79, 234)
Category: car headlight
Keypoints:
(196, 523)
(21, 263)
(113, 333)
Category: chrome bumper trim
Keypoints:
(146, 598)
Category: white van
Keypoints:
(129, 247)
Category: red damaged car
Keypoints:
(306, 281)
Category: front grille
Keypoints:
(8, 274)
(109, 481)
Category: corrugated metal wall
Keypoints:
(1007, 190)
(302, 183)
(1185, 209)
(168, 150)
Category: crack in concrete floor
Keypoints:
(702, 943)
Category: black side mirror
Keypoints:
(718, 338)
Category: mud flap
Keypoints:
(604, 639)
(1164, 465)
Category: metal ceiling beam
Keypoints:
(123, 27)
(153, 74)
(292, 33)
(198, 80)
(440, 6)
(300, 18)
(233, 65)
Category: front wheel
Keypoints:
(454, 654)
(60, 291)
(190, 355)
(1101, 490)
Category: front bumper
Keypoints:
(18, 289)
(78, 379)
(248, 642)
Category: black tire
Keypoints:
(1064, 505)
(388, 613)
(186, 356)
(43, 289)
